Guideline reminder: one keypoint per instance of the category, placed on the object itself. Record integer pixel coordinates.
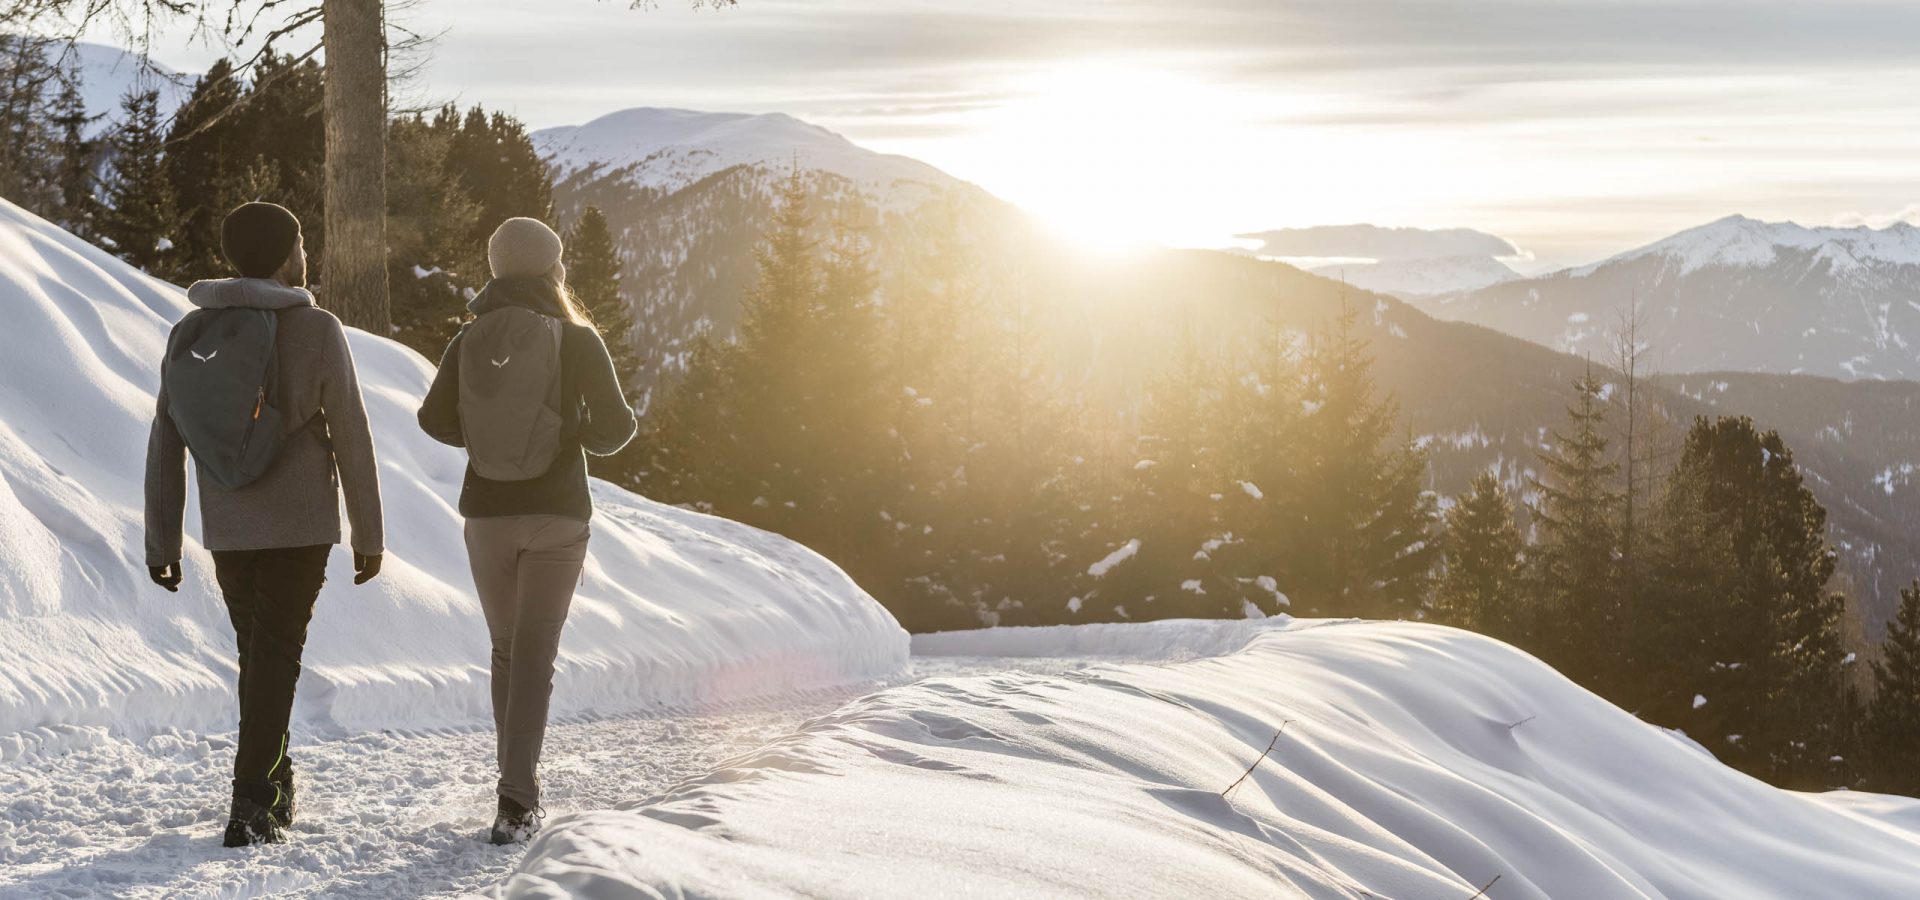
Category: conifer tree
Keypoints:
(1893, 725)
(1745, 620)
(1176, 499)
(79, 205)
(203, 151)
(593, 272)
(27, 143)
(139, 219)
(1363, 539)
(497, 163)
(430, 219)
(1580, 630)
(1482, 585)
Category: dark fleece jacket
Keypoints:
(595, 414)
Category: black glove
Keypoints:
(167, 576)
(365, 567)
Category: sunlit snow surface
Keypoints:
(1411, 761)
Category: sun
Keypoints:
(1115, 157)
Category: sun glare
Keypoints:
(1114, 157)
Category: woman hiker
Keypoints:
(529, 389)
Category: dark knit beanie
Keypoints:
(258, 238)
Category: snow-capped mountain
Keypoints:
(669, 149)
(1736, 294)
(689, 194)
(1411, 278)
(108, 74)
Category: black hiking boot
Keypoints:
(283, 808)
(250, 823)
(515, 824)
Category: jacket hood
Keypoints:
(527, 292)
(247, 293)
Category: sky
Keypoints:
(1572, 128)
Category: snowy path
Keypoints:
(382, 814)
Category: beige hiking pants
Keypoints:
(525, 569)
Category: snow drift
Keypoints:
(1406, 761)
(675, 608)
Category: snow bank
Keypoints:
(1411, 761)
(1159, 641)
(675, 608)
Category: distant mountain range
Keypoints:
(1737, 294)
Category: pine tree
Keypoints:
(497, 164)
(1363, 540)
(1581, 629)
(281, 146)
(203, 150)
(1745, 620)
(594, 262)
(1175, 501)
(139, 219)
(1893, 725)
(27, 143)
(1482, 586)
(79, 204)
(430, 218)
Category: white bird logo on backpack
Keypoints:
(207, 358)
(497, 363)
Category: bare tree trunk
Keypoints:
(353, 270)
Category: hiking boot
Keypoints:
(283, 807)
(250, 823)
(515, 824)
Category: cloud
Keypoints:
(1375, 242)
(1909, 214)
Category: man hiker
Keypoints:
(259, 384)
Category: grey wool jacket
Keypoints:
(328, 449)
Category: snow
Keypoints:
(1252, 490)
(1740, 242)
(393, 813)
(675, 609)
(669, 149)
(1325, 760)
(1106, 563)
(1161, 640)
(1699, 700)
(108, 74)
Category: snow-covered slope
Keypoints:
(1739, 242)
(1733, 295)
(675, 608)
(668, 149)
(1346, 760)
(1412, 278)
(108, 74)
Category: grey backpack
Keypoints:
(510, 393)
(220, 369)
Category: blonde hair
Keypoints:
(576, 313)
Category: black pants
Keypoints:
(270, 595)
